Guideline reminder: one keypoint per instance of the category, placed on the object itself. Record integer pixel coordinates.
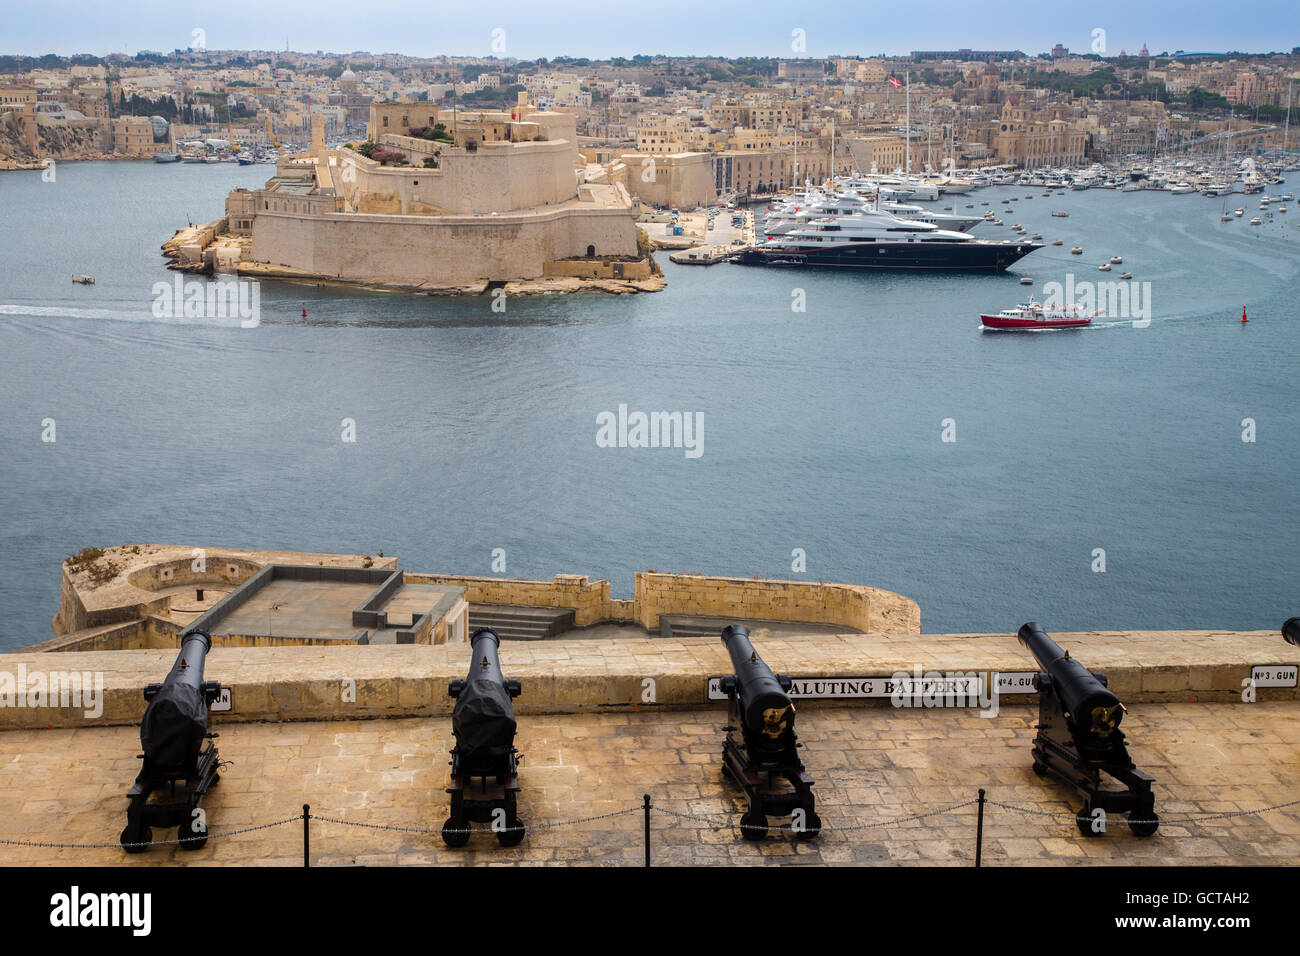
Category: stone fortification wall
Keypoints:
(438, 251)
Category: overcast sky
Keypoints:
(534, 28)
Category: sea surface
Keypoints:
(475, 430)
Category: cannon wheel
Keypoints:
(812, 827)
(1146, 826)
(455, 833)
(189, 839)
(1040, 768)
(143, 835)
(514, 836)
(753, 825)
(1084, 820)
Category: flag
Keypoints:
(893, 81)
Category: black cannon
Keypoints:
(1079, 738)
(180, 760)
(1291, 631)
(761, 745)
(483, 722)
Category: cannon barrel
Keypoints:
(188, 668)
(764, 706)
(1092, 708)
(483, 719)
(176, 720)
(1291, 631)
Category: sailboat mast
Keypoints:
(1286, 133)
(908, 95)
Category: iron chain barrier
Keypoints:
(647, 808)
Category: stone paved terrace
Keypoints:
(872, 765)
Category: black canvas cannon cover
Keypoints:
(174, 724)
(484, 719)
(176, 719)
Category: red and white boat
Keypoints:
(1061, 214)
(1035, 315)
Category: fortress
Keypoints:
(474, 201)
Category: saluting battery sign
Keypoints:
(959, 690)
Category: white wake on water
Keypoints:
(113, 315)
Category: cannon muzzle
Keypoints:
(1291, 631)
(764, 706)
(1089, 706)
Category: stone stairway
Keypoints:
(514, 622)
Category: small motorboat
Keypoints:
(1126, 275)
(1116, 259)
(997, 222)
(1057, 242)
(1036, 236)
(1032, 315)
(1061, 214)
(84, 280)
(1104, 267)
(971, 205)
(1256, 221)
(1077, 251)
(1026, 280)
(1226, 217)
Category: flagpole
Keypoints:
(907, 78)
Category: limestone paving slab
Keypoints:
(876, 770)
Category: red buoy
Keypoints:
(1243, 315)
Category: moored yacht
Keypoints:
(874, 239)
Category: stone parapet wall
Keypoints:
(590, 600)
(584, 675)
(847, 605)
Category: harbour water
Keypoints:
(823, 428)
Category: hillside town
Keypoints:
(706, 127)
